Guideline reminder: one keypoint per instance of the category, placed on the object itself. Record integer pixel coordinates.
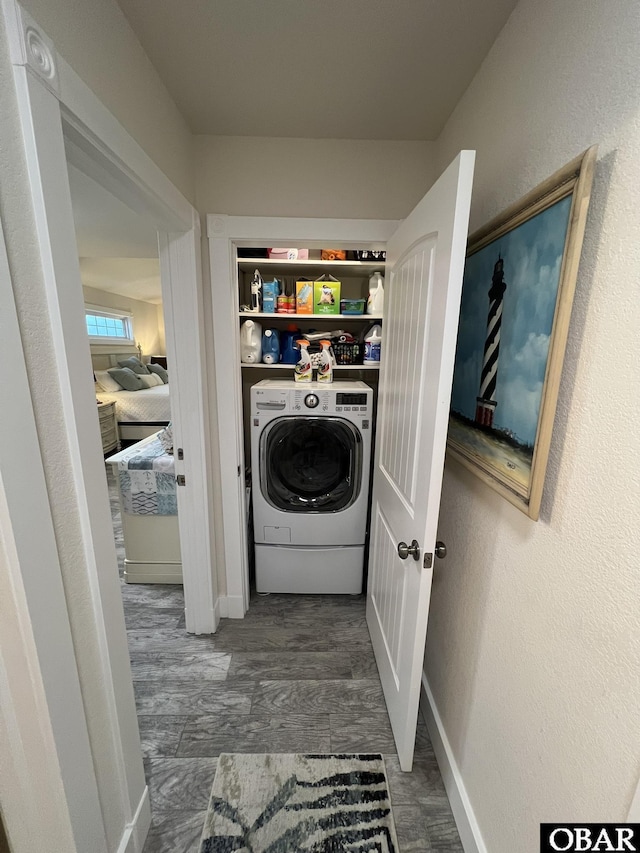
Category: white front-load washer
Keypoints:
(310, 461)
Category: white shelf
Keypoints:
(291, 366)
(315, 266)
(250, 315)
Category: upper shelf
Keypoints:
(249, 315)
(311, 266)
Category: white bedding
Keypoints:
(150, 404)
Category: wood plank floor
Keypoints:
(296, 675)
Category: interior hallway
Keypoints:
(296, 675)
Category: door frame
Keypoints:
(225, 234)
(95, 780)
(62, 120)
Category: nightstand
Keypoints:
(108, 427)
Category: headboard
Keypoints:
(103, 361)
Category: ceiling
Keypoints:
(341, 69)
(137, 278)
(118, 248)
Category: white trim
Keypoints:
(135, 833)
(231, 607)
(468, 829)
(102, 774)
(179, 262)
(48, 788)
(224, 234)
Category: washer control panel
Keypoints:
(350, 399)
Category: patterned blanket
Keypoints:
(147, 481)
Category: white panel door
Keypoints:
(425, 262)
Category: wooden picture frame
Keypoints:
(511, 347)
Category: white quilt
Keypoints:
(150, 404)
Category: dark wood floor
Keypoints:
(296, 675)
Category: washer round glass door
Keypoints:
(311, 464)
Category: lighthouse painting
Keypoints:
(509, 294)
(517, 292)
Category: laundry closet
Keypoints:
(308, 447)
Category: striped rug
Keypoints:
(283, 803)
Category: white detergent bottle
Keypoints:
(303, 371)
(325, 366)
(375, 302)
(250, 342)
(372, 344)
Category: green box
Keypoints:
(326, 295)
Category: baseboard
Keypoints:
(135, 833)
(463, 813)
(231, 607)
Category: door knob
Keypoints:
(441, 549)
(404, 550)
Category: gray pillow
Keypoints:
(160, 371)
(134, 364)
(126, 378)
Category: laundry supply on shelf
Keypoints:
(372, 344)
(375, 301)
(270, 295)
(270, 346)
(325, 363)
(256, 291)
(250, 342)
(303, 372)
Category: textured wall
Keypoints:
(534, 635)
(349, 179)
(95, 38)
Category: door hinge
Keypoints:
(427, 562)
(181, 480)
(180, 453)
(238, 470)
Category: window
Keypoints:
(105, 325)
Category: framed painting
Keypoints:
(517, 293)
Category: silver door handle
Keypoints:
(404, 550)
(441, 549)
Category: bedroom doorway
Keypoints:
(122, 293)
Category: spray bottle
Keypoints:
(303, 371)
(325, 366)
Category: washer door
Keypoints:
(310, 464)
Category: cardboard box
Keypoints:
(326, 295)
(270, 291)
(304, 297)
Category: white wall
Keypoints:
(349, 179)
(534, 633)
(96, 40)
(146, 319)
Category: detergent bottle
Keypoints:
(250, 342)
(288, 350)
(303, 371)
(325, 366)
(372, 344)
(375, 301)
(270, 346)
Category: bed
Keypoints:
(139, 413)
(145, 475)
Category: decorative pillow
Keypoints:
(105, 382)
(165, 437)
(126, 378)
(150, 380)
(134, 364)
(160, 371)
